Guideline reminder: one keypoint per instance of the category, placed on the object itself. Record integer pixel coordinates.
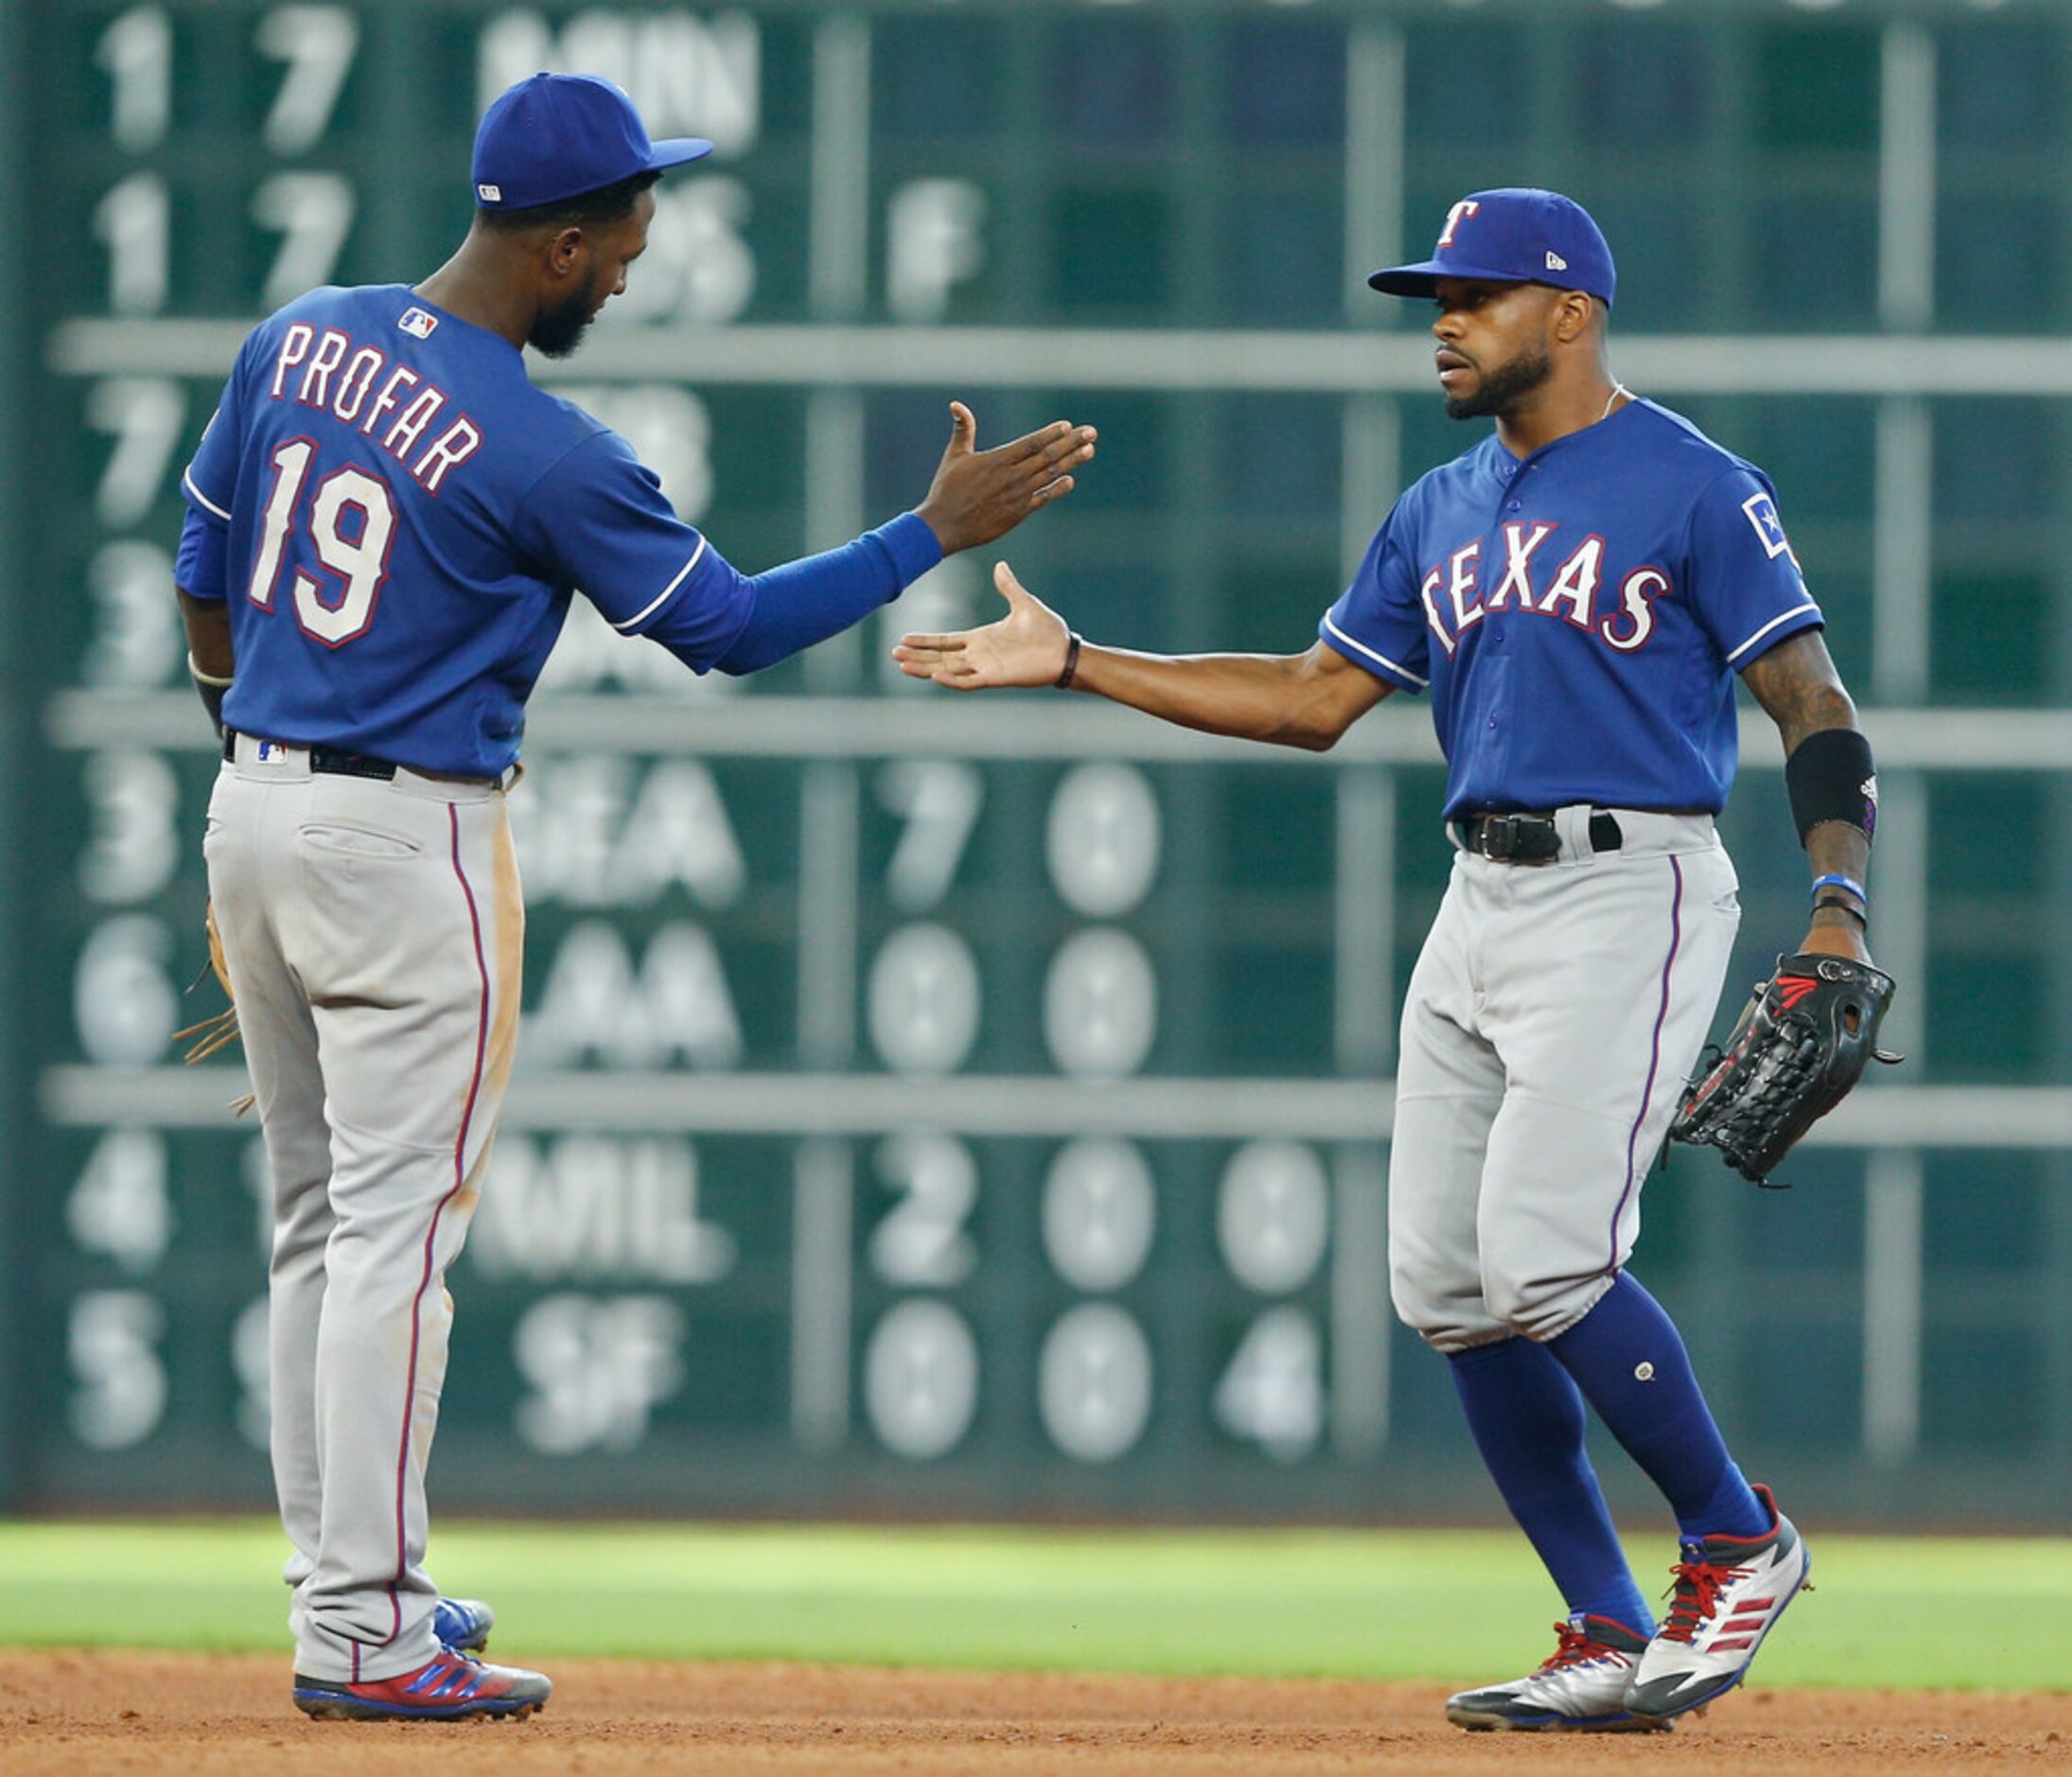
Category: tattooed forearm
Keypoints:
(1797, 683)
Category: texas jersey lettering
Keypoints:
(1617, 576)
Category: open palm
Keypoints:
(1025, 647)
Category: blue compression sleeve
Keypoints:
(806, 602)
(201, 567)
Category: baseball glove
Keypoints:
(219, 1032)
(1802, 1043)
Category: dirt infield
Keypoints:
(160, 1712)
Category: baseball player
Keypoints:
(1576, 594)
(386, 522)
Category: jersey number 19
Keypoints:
(358, 555)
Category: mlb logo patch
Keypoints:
(1762, 514)
(416, 323)
(271, 753)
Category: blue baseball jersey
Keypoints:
(398, 519)
(1579, 615)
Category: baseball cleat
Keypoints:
(1729, 1593)
(452, 1687)
(1581, 1685)
(462, 1624)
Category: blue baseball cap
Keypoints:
(1515, 235)
(558, 135)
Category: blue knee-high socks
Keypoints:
(1526, 1416)
(1629, 1359)
(1524, 1405)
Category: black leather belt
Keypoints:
(1529, 839)
(329, 760)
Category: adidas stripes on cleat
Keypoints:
(453, 1687)
(1729, 1593)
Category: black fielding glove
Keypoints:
(1801, 1044)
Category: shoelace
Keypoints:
(1696, 1586)
(1576, 1649)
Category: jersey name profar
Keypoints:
(391, 404)
(1459, 592)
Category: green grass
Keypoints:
(1888, 1612)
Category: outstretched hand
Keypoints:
(979, 495)
(1025, 647)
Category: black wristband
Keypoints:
(1861, 915)
(1063, 679)
(1830, 776)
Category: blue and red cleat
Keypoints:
(452, 1687)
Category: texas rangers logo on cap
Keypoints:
(1514, 234)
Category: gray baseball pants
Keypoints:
(1550, 1024)
(374, 933)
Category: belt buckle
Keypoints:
(1485, 840)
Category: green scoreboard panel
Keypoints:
(982, 1105)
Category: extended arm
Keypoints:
(1797, 683)
(1304, 700)
(743, 625)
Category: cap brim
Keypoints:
(1423, 278)
(676, 151)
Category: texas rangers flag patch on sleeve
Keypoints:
(1762, 511)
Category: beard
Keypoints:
(1500, 387)
(559, 331)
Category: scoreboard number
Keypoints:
(136, 51)
(134, 221)
(118, 1205)
(921, 1378)
(1094, 1386)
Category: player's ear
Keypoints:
(564, 249)
(1573, 316)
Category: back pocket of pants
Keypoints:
(358, 841)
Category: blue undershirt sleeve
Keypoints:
(804, 602)
(598, 519)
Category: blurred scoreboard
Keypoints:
(981, 1105)
(922, 1102)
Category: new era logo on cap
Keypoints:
(559, 136)
(1514, 234)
